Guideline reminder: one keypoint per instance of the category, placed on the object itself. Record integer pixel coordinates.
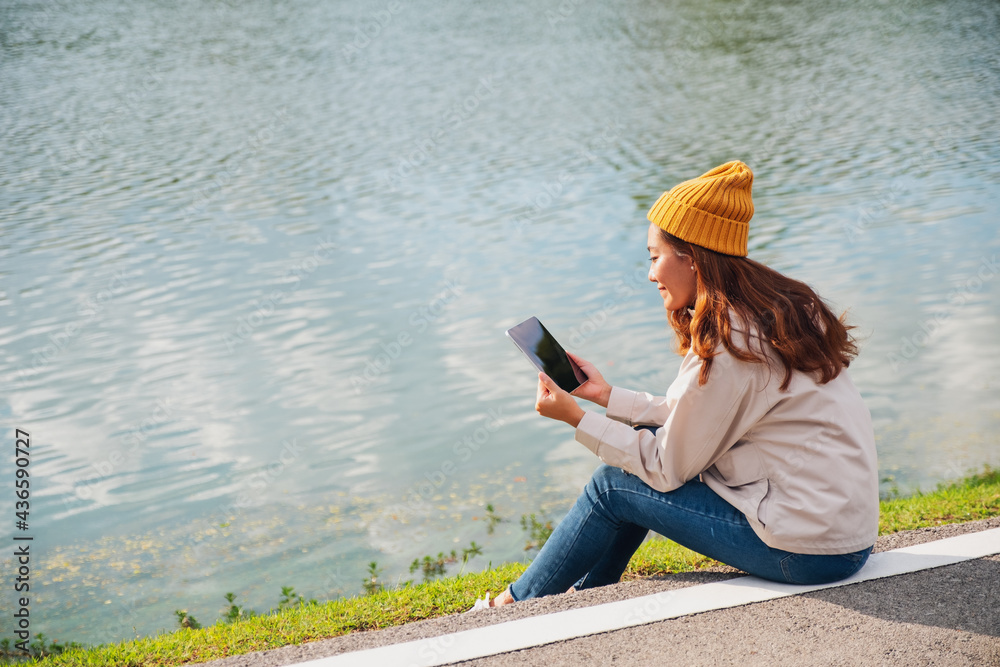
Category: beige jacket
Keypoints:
(800, 464)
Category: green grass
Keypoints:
(973, 498)
(976, 497)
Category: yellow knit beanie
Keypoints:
(712, 211)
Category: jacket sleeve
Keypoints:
(697, 423)
(637, 408)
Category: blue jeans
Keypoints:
(593, 544)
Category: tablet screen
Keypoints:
(547, 355)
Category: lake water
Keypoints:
(257, 259)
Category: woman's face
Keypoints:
(672, 273)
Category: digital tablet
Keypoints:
(546, 354)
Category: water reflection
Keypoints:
(219, 226)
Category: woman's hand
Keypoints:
(555, 403)
(595, 389)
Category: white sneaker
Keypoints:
(481, 604)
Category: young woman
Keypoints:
(760, 455)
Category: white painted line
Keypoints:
(549, 628)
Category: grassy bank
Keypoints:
(977, 497)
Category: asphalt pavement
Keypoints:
(948, 615)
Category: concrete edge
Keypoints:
(545, 629)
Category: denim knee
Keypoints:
(604, 478)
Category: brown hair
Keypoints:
(787, 313)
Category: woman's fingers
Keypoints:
(556, 403)
(588, 368)
(580, 361)
(593, 388)
(548, 383)
(541, 392)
